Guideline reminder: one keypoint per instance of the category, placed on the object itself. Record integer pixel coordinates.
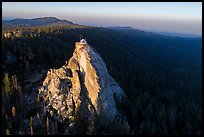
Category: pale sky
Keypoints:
(179, 17)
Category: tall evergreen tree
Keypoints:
(31, 125)
(7, 85)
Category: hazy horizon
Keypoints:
(175, 17)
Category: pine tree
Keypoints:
(66, 132)
(7, 85)
(7, 90)
(27, 66)
(91, 127)
(30, 54)
(164, 128)
(48, 126)
(80, 37)
(10, 126)
(56, 127)
(14, 82)
(13, 111)
(53, 129)
(7, 132)
(3, 97)
(38, 101)
(3, 119)
(20, 95)
(38, 116)
(31, 125)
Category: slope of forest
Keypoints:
(161, 75)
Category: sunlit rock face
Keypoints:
(87, 84)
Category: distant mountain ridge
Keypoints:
(37, 21)
(172, 34)
(6, 18)
(121, 28)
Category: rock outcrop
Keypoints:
(83, 87)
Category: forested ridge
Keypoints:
(161, 75)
